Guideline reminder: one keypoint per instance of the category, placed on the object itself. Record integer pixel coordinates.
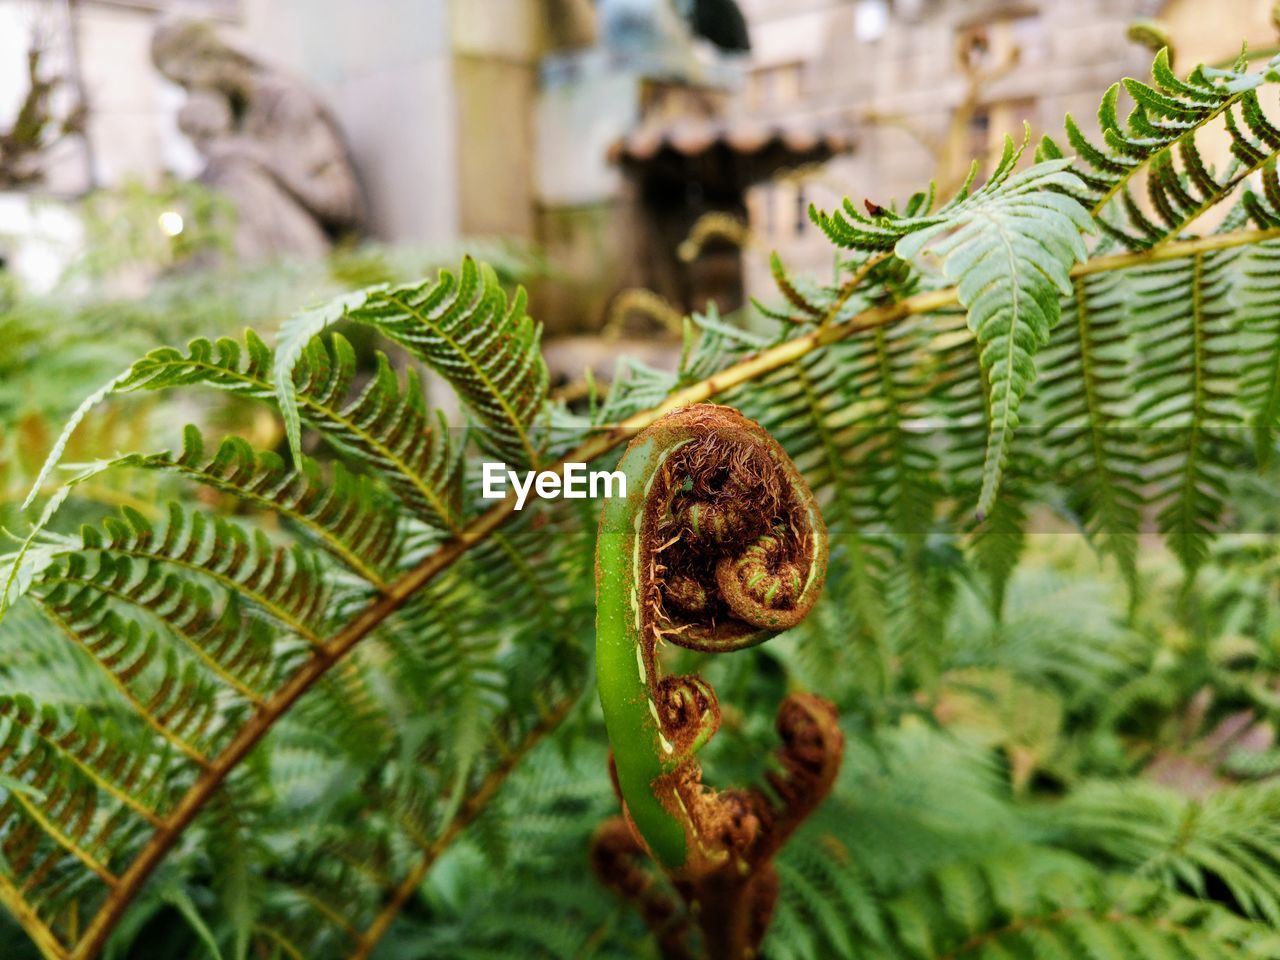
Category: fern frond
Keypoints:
(1010, 259)
(290, 584)
(1056, 632)
(958, 402)
(351, 883)
(1186, 384)
(827, 905)
(1009, 247)
(1259, 294)
(1229, 838)
(230, 658)
(466, 331)
(1031, 906)
(386, 426)
(347, 514)
(806, 305)
(236, 647)
(544, 817)
(98, 749)
(1084, 397)
(1158, 140)
(173, 698)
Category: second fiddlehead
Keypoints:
(719, 546)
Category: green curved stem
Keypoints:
(718, 545)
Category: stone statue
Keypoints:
(268, 142)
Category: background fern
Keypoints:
(324, 690)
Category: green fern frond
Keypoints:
(1186, 383)
(1085, 431)
(412, 803)
(1229, 838)
(1158, 140)
(100, 751)
(827, 905)
(171, 696)
(1008, 247)
(1010, 259)
(957, 401)
(1263, 209)
(385, 426)
(346, 513)
(465, 330)
(1027, 907)
(288, 584)
(787, 287)
(230, 658)
(1259, 294)
(237, 648)
(1056, 632)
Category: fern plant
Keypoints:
(284, 729)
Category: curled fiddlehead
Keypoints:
(719, 546)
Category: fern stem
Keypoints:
(480, 528)
(470, 809)
(1178, 250)
(851, 287)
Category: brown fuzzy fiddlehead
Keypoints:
(719, 547)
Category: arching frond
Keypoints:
(1158, 142)
(1087, 434)
(1187, 334)
(1008, 247)
(466, 331)
(346, 514)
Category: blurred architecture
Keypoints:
(670, 156)
(929, 84)
(565, 123)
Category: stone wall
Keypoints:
(897, 81)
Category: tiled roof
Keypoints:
(792, 142)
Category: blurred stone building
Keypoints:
(528, 119)
(893, 70)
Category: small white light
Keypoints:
(871, 20)
(171, 222)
